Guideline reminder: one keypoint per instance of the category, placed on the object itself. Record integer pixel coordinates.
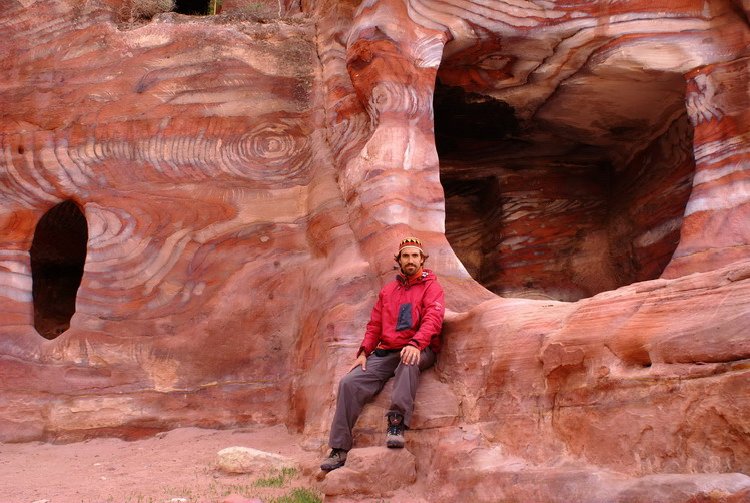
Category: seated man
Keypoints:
(402, 339)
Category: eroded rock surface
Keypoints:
(372, 471)
(578, 171)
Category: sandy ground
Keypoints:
(173, 467)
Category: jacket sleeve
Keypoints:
(374, 328)
(433, 305)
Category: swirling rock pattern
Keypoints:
(188, 146)
(578, 171)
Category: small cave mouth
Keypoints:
(533, 213)
(196, 7)
(58, 255)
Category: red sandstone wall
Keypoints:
(243, 183)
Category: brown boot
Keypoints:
(335, 459)
(394, 437)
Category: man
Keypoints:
(401, 340)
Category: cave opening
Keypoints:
(194, 7)
(58, 254)
(539, 210)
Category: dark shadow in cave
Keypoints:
(466, 117)
(533, 214)
(192, 7)
(58, 254)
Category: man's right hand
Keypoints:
(361, 360)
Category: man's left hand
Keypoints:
(410, 355)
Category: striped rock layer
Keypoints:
(196, 214)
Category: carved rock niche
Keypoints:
(587, 195)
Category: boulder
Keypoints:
(372, 471)
(248, 460)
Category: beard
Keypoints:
(409, 269)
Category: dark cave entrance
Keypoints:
(194, 7)
(534, 213)
(58, 254)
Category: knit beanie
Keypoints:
(410, 241)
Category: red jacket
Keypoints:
(408, 311)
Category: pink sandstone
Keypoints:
(579, 172)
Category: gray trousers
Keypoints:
(358, 387)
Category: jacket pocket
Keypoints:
(405, 320)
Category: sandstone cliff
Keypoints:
(228, 191)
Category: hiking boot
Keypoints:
(335, 459)
(394, 437)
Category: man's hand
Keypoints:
(361, 360)
(410, 355)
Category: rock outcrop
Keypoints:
(197, 214)
(248, 460)
(373, 472)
